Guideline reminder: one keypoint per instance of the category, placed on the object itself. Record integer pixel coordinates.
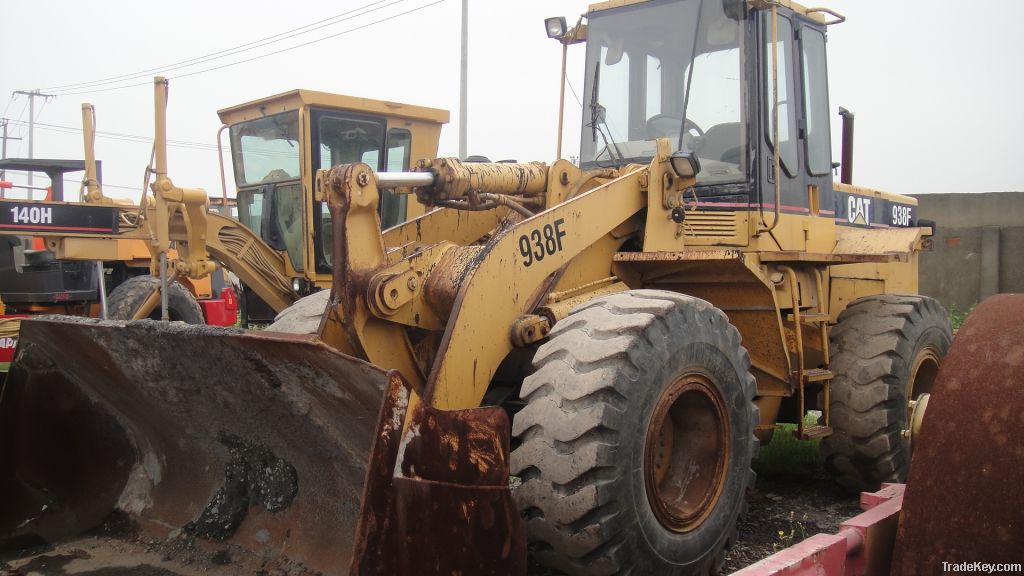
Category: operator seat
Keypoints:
(722, 142)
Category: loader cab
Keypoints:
(277, 145)
(699, 72)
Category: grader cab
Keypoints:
(618, 337)
(279, 142)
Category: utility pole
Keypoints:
(464, 80)
(32, 95)
(4, 139)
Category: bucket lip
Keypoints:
(148, 326)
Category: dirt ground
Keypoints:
(784, 511)
(784, 508)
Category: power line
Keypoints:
(78, 181)
(222, 66)
(8, 106)
(74, 181)
(23, 108)
(32, 95)
(105, 185)
(417, 9)
(230, 51)
(122, 136)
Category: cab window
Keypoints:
(819, 146)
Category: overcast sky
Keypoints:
(936, 86)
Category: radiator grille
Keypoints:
(710, 224)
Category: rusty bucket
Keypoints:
(249, 451)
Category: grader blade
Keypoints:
(266, 450)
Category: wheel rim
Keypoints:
(922, 375)
(686, 453)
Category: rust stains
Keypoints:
(964, 499)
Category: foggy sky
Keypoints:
(935, 85)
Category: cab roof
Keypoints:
(296, 99)
(813, 14)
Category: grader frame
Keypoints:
(179, 220)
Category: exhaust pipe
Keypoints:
(846, 171)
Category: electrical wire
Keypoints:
(21, 132)
(78, 181)
(272, 53)
(417, 9)
(43, 107)
(221, 53)
(8, 107)
(573, 90)
(119, 136)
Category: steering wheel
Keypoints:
(667, 126)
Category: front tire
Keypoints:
(636, 438)
(886, 350)
(303, 316)
(131, 294)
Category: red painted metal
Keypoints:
(9, 344)
(221, 311)
(863, 545)
(965, 491)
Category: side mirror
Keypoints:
(685, 164)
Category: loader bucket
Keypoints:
(235, 452)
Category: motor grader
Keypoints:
(618, 337)
(280, 244)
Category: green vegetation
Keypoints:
(957, 317)
(797, 532)
(786, 455)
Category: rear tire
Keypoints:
(886, 350)
(609, 458)
(302, 317)
(130, 295)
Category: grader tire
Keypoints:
(129, 296)
(615, 477)
(302, 317)
(886, 350)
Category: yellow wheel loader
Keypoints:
(581, 360)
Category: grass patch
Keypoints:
(786, 455)
(957, 317)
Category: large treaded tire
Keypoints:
(584, 431)
(129, 296)
(876, 345)
(302, 317)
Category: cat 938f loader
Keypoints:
(617, 337)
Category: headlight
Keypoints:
(555, 27)
(685, 164)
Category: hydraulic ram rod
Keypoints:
(404, 179)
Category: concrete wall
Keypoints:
(977, 246)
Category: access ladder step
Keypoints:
(813, 432)
(817, 375)
(809, 317)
